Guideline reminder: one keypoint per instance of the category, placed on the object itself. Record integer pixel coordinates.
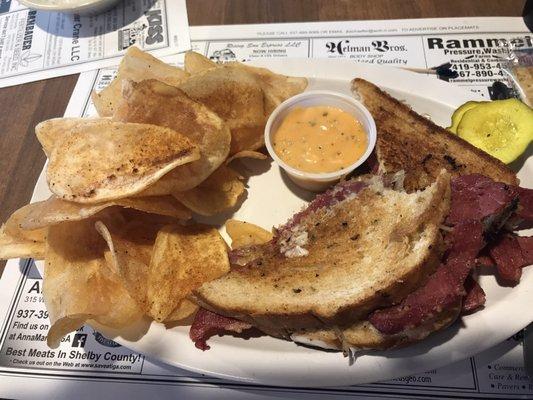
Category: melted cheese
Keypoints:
(319, 139)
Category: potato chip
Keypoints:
(14, 226)
(156, 103)
(196, 63)
(54, 211)
(233, 94)
(184, 258)
(78, 285)
(98, 162)
(247, 154)
(276, 87)
(220, 192)
(50, 131)
(185, 309)
(15, 247)
(16, 242)
(129, 253)
(136, 65)
(246, 234)
(247, 138)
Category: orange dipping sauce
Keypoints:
(319, 139)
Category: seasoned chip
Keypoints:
(136, 65)
(184, 258)
(196, 63)
(54, 211)
(99, 162)
(220, 192)
(50, 131)
(17, 242)
(185, 309)
(78, 285)
(153, 102)
(246, 234)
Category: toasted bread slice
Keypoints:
(363, 336)
(407, 141)
(365, 252)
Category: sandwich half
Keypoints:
(361, 246)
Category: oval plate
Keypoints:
(272, 200)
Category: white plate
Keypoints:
(271, 201)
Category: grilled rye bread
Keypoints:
(337, 263)
(362, 335)
(409, 142)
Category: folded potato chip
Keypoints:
(50, 131)
(220, 192)
(129, 250)
(156, 103)
(129, 257)
(184, 257)
(98, 162)
(246, 234)
(78, 285)
(16, 242)
(54, 211)
(136, 65)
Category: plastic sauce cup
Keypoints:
(320, 181)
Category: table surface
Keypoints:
(26, 105)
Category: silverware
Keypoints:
(528, 350)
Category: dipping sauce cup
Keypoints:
(322, 180)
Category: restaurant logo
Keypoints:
(345, 46)
(155, 27)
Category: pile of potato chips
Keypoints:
(117, 234)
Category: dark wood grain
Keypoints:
(25, 105)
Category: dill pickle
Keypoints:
(502, 128)
(458, 114)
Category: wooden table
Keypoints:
(24, 106)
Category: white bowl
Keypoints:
(320, 181)
(83, 7)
